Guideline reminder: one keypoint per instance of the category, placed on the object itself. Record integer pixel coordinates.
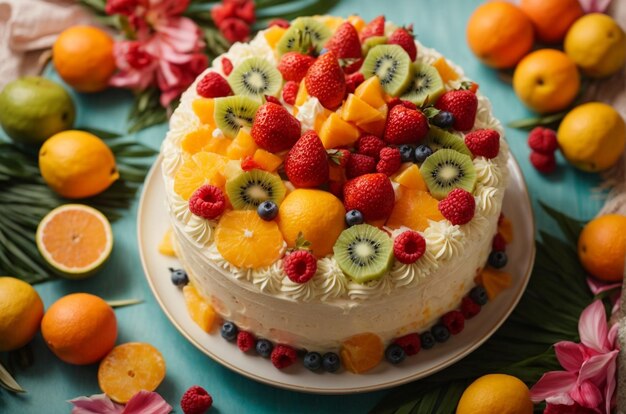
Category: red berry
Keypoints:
(245, 341)
(351, 66)
(393, 102)
(454, 321)
(483, 143)
(370, 145)
(300, 266)
(245, 11)
(359, 164)
(404, 38)
(409, 104)
(227, 66)
(469, 308)
(283, 356)
(234, 29)
(306, 163)
(374, 28)
(336, 188)
(294, 65)
(458, 206)
(274, 128)
(272, 99)
(196, 401)
(207, 202)
(339, 156)
(248, 163)
(354, 80)
(390, 161)
(326, 81)
(290, 92)
(499, 243)
(409, 246)
(411, 343)
(345, 43)
(213, 85)
(544, 163)
(279, 22)
(371, 194)
(405, 126)
(463, 105)
(543, 140)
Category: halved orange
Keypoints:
(362, 352)
(75, 240)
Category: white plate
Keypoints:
(153, 221)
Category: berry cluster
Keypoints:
(543, 145)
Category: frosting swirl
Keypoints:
(298, 291)
(330, 282)
(443, 239)
(308, 112)
(371, 289)
(488, 200)
(269, 279)
(200, 230)
(487, 172)
(180, 208)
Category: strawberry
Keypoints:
(374, 28)
(248, 163)
(351, 65)
(290, 92)
(404, 38)
(273, 99)
(353, 80)
(213, 85)
(371, 194)
(405, 126)
(227, 66)
(345, 43)
(279, 22)
(339, 156)
(326, 81)
(306, 164)
(274, 128)
(462, 104)
(294, 65)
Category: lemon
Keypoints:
(597, 44)
(21, 310)
(32, 109)
(592, 136)
(496, 394)
(77, 164)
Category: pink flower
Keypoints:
(234, 30)
(595, 6)
(125, 7)
(142, 402)
(589, 376)
(233, 18)
(567, 409)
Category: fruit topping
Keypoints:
(405, 126)
(411, 343)
(354, 217)
(229, 331)
(499, 243)
(264, 348)
(365, 116)
(166, 245)
(483, 142)
(353, 81)
(305, 34)
(495, 281)
(202, 168)
(294, 66)
(267, 210)
(440, 332)
(306, 164)
(266, 160)
(395, 354)
(290, 92)
(458, 206)
(390, 161)
(362, 352)
(469, 308)
(438, 138)
(345, 43)
(364, 252)
(414, 209)
(200, 311)
(497, 259)
(374, 28)
(196, 401)
(331, 362)
(544, 163)
(233, 112)
(227, 66)
(454, 321)
(370, 145)
(479, 295)
(404, 38)
(274, 128)
(409, 246)
(410, 177)
(339, 157)
(249, 189)
(242, 146)
(543, 140)
(245, 341)
(463, 105)
(312, 361)
(442, 119)
(445, 71)
(371, 91)
(371, 194)
(446, 170)
(428, 340)
(207, 202)
(283, 356)
(359, 165)
(407, 153)
(326, 81)
(213, 85)
(178, 277)
(335, 132)
(422, 152)
(425, 85)
(392, 65)
(300, 266)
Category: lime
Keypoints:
(33, 108)
(21, 310)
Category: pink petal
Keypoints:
(168, 7)
(95, 404)
(553, 384)
(595, 6)
(595, 369)
(598, 287)
(570, 355)
(587, 394)
(592, 327)
(147, 402)
(609, 388)
(181, 33)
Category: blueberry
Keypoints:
(331, 362)
(324, 50)
(264, 348)
(229, 331)
(312, 361)
(395, 354)
(443, 119)
(422, 152)
(354, 217)
(497, 259)
(440, 332)
(267, 210)
(179, 277)
(427, 339)
(479, 295)
(406, 152)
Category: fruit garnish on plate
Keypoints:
(362, 352)
(199, 309)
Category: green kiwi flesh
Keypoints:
(233, 112)
(425, 87)
(446, 170)
(439, 138)
(371, 42)
(249, 189)
(364, 252)
(303, 34)
(392, 65)
(255, 77)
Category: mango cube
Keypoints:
(199, 309)
(273, 35)
(371, 91)
(445, 71)
(302, 96)
(410, 177)
(267, 160)
(336, 132)
(242, 146)
(204, 108)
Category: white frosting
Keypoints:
(308, 112)
(200, 230)
(488, 201)
(269, 279)
(298, 291)
(258, 47)
(330, 280)
(487, 172)
(444, 239)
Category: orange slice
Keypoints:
(201, 168)
(362, 352)
(495, 281)
(166, 247)
(75, 240)
(413, 209)
(199, 309)
(505, 228)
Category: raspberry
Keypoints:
(543, 140)
(300, 266)
(483, 142)
(273, 99)
(207, 202)
(248, 163)
(290, 91)
(469, 308)
(227, 66)
(498, 244)
(458, 206)
(245, 341)
(411, 343)
(390, 161)
(409, 246)
(370, 145)
(279, 22)
(213, 85)
(454, 321)
(283, 356)
(359, 164)
(354, 80)
(196, 400)
(544, 163)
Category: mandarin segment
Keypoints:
(371, 91)
(200, 311)
(445, 71)
(413, 209)
(273, 35)
(201, 168)
(166, 246)
(242, 146)
(410, 177)
(495, 281)
(362, 352)
(335, 132)
(266, 160)
(204, 108)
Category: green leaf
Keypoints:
(530, 123)
(8, 382)
(123, 302)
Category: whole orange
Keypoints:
(552, 18)
(80, 328)
(602, 247)
(83, 57)
(499, 34)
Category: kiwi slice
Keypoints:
(425, 87)
(371, 42)
(304, 34)
(446, 170)
(255, 77)
(439, 138)
(364, 252)
(392, 65)
(246, 191)
(233, 112)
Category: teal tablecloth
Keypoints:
(439, 24)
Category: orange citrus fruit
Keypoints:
(362, 352)
(602, 247)
(21, 310)
(75, 240)
(80, 328)
(245, 240)
(552, 18)
(317, 214)
(546, 80)
(499, 34)
(413, 209)
(83, 57)
(130, 368)
(496, 394)
(199, 169)
(199, 309)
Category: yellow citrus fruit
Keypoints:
(496, 394)
(21, 310)
(592, 136)
(546, 80)
(75, 240)
(77, 164)
(199, 169)
(319, 215)
(80, 328)
(499, 34)
(551, 18)
(83, 57)
(130, 368)
(602, 247)
(362, 352)
(597, 44)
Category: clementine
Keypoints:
(552, 18)
(602, 247)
